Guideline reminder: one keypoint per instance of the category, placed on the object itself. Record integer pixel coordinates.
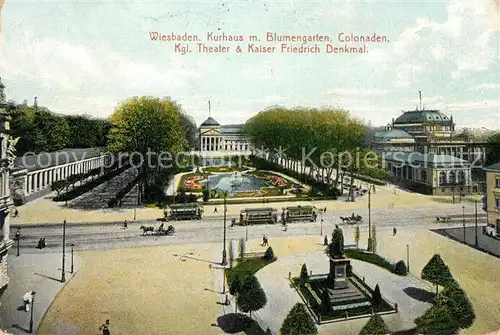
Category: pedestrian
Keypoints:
(325, 241)
(105, 328)
(215, 209)
(324, 210)
(125, 224)
(39, 246)
(16, 213)
(43, 243)
(263, 240)
(394, 231)
(18, 234)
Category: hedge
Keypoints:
(374, 259)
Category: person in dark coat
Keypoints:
(105, 328)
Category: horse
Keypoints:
(145, 229)
(344, 219)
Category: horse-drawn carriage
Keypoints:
(299, 214)
(250, 216)
(188, 211)
(353, 219)
(160, 231)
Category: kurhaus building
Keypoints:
(214, 137)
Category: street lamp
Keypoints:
(63, 275)
(370, 241)
(224, 257)
(475, 210)
(246, 232)
(463, 221)
(18, 239)
(408, 258)
(32, 308)
(72, 249)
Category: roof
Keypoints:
(419, 159)
(210, 122)
(393, 133)
(44, 160)
(419, 116)
(250, 210)
(185, 205)
(493, 167)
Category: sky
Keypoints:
(86, 57)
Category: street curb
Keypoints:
(53, 300)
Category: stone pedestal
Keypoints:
(340, 269)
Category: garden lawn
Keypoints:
(182, 186)
(246, 268)
(223, 169)
(369, 258)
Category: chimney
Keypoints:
(35, 103)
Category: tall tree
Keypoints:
(458, 303)
(298, 322)
(437, 272)
(375, 326)
(437, 320)
(150, 127)
(190, 131)
(251, 296)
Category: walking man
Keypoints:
(105, 328)
(325, 242)
(215, 209)
(394, 231)
(125, 225)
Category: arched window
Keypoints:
(423, 175)
(452, 177)
(461, 177)
(442, 177)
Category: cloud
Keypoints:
(478, 104)
(491, 86)
(69, 67)
(356, 92)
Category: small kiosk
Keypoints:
(250, 216)
(188, 211)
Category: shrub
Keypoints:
(375, 326)
(304, 275)
(235, 286)
(455, 299)
(400, 268)
(269, 254)
(251, 296)
(437, 272)
(369, 258)
(376, 296)
(436, 320)
(298, 321)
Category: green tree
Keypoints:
(268, 254)
(190, 130)
(375, 326)
(251, 297)
(400, 268)
(304, 275)
(455, 299)
(436, 320)
(298, 322)
(58, 186)
(148, 126)
(437, 272)
(376, 296)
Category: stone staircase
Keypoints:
(130, 200)
(98, 197)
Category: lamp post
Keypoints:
(246, 232)
(321, 229)
(370, 242)
(32, 308)
(463, 221)
(475, 217)
(72, 249)
(63, 275)
(408, 257)
(224, 257)
(18, 239)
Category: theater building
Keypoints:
(224, 139)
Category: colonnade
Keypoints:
(38, 180)
(217, 143)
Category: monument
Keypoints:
(340, 267)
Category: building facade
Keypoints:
(7, 155)
(430, 173)
(492, 199)
(224, 139)
(433, 133)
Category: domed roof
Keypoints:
(422, 116)
(210, 122)
(393, 134)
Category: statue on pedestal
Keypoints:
(337, 245)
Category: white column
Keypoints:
(45, 178)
